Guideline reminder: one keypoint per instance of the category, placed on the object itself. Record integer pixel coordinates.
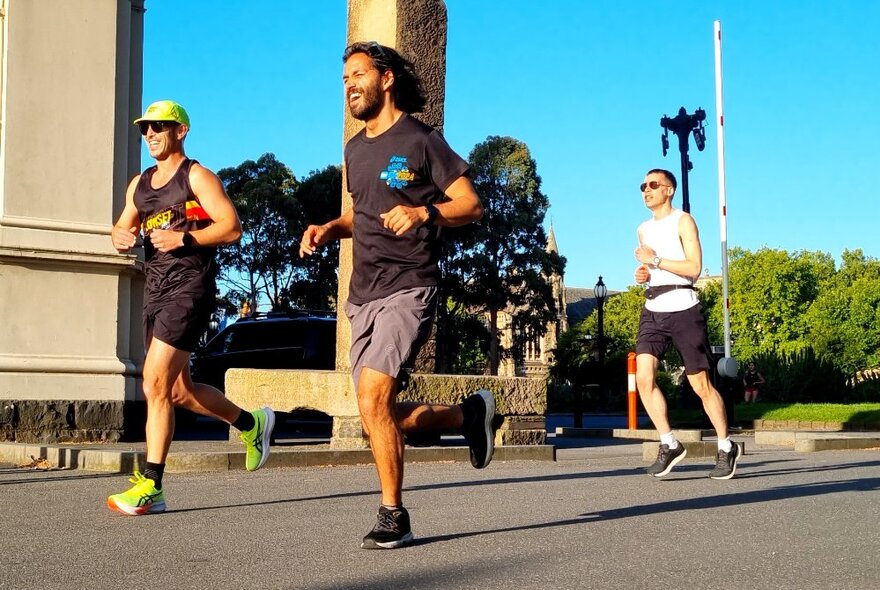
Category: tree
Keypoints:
(844, 320)
(501, 263)
(319, 196)
(770, 293)
(260, 266)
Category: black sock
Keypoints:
(244, 422)
(155, 471)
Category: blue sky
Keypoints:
(584, 84)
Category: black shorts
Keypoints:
(685, 329)
(178, 321)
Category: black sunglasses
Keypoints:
(653, 184)
(156, 126)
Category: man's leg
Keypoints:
(256, 427)
(670, 452)
(376, 402)
(729, 452)
(652, 398)
(474, 418)
(161, 369)
(712, 402)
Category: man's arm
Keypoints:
(225, 227)
(125, 231)
(463, 207)
(692, 264)
(318, 235)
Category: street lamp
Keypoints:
(600, 292)
(682, 125)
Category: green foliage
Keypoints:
(319, 196)
(500, 263)
(801, 376)
(620, 322)
(770, 293)
(274, 210)
(261, 265)
(844, 320)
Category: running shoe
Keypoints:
(258, 438)
(725, 463)
(479, 412)
(141, 498)
(392, 530)
(667, 459)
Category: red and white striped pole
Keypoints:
(631, 393)
(727, 366)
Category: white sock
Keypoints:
(725, 444)
(668, 439)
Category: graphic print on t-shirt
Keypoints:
(397, 175)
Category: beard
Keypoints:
(369, 106)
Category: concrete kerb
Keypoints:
(204, 457)
(684, 435)
(807, 442)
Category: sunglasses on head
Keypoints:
(654, 185)
(156, 126)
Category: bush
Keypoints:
(801, 377)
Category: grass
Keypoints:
(849, 413)
(745, 413)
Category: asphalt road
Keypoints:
(592, 519)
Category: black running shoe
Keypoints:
(667, 459)
(725, 463)
(391, 531)
(479, 411)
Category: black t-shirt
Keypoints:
(412, 165)
(173, 206)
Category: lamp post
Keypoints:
(600, 292)
(682, 125)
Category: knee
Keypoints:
(155, 389)
(645, 384)
(372, 408)
(702, 388)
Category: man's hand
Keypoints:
(314, 236)
(645, 255)
(642, 275)
(123, 239)
(401, 219)
(166, 240)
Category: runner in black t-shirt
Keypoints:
(183, 212)
(405, 182)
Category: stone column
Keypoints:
(71, 342)
(417, 29)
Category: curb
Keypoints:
(808, 442)
(127, 460)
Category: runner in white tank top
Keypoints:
(670, 259)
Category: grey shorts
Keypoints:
(685, 329)
(386, 334)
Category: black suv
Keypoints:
(276, 340)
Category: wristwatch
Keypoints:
(187, 240)
(656, 262)
(432, 213)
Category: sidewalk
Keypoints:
(215, 453)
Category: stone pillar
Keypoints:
(71, 342)
(417, 29)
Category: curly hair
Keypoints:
(407, 91)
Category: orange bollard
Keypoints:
(631, 394)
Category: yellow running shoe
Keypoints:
(141, 498)
(258, 438)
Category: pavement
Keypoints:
(589, 519)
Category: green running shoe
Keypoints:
(258, 438)
(141, 498)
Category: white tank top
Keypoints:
(663, 237)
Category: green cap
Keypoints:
(165, 110)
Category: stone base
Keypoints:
(522, 401)
(64, 421)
